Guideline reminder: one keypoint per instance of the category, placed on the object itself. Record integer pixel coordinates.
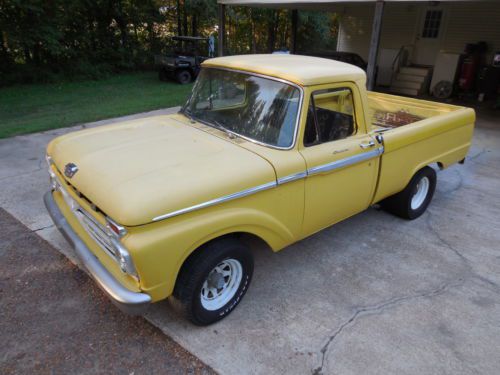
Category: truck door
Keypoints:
(342, 159)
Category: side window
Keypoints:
(330, 116)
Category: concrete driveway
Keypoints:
(374, 294)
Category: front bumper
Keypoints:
(131, 302)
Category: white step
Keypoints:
(410, 77)
(407, 84)
(400, 90)
(423, 72)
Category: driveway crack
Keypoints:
(466, 261)
(377, 309)
(42, 228)
(394, 302)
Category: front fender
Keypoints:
(159, 249)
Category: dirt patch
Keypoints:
(53, 319)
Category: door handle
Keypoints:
(367, 145)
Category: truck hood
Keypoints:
(135, 171)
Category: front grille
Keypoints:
(95, 230)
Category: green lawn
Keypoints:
(33, 108)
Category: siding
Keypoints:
(465, 22)
(398, 27)
(356, 28)
(471, 23)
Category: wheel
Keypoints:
(443, 90)
(162, 75)
(214, 280)
(183, 76)
(414, 199)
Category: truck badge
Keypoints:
(70, 169)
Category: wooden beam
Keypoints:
(374, 43)
(295, 22)
(222, 29)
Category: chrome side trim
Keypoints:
(292, 177)
(345, 162)
(283, 180)
(215, 201)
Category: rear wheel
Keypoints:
(183, 76)
(415, 198)
(214, 280)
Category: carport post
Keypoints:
(374, 41)
(295, 21)
(222, 29)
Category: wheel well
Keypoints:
(251, 240)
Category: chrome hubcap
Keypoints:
(221, 284)
(420, 194)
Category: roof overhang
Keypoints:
(321, 4)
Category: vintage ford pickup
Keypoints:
(273, 147)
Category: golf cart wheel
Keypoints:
(162, 75)
(214, 280)
(183, 76)
(414, 199)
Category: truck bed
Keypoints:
(416, 133)
(391, 111)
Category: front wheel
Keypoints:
(414, 199)
(214, 280)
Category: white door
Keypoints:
(429, 34)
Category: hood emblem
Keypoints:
(70, 169)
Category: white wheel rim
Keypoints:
(221, 284)
(420, 194)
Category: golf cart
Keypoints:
(183, 63)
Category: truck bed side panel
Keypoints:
(443, 139)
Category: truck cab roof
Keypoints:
(302, 70)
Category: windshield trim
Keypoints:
(299, 109)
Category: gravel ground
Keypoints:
(53, 319)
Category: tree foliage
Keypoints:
(43, 40)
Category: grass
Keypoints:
(32, 108)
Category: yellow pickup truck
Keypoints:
(272, 147)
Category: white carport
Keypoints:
(294, 5)
(372, 38)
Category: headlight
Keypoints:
(115, 232)
(124, 259)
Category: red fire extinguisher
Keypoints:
(468, 73)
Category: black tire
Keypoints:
(163, 75)
(400, 204)
(183, 76)
(195, 272)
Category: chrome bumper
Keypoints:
(133, 303)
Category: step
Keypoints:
(410, 77)
(407, 84)
(423, 72)
(400, 90)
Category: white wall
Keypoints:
(465, 22)
(470, 23)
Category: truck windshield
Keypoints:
(261, 109)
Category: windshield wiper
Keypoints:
(213, 123)
(218, 125)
